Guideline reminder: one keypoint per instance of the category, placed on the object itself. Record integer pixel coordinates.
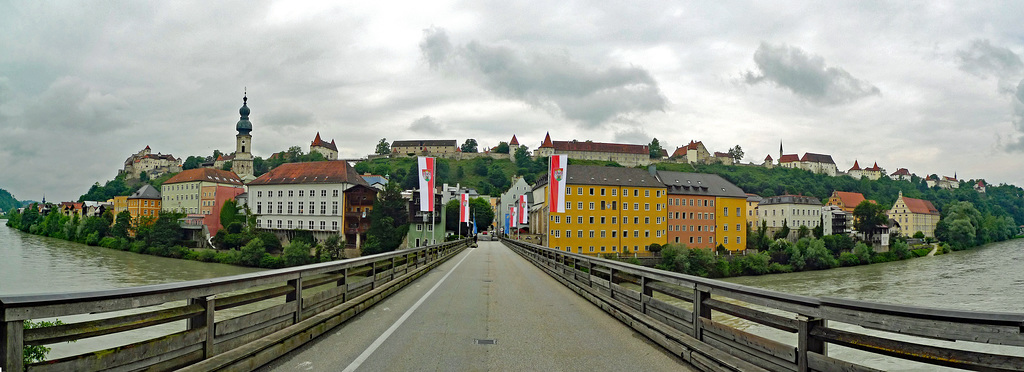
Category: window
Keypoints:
(602, 220)
(602, 204)
(725, 227)
(568, 191)
(280, 193)
(725, 211)
(323, 207)
(291, 193)
(738, 213)
(591, 248)
(558, 219)
(290, 207)
(259, 223)
(591, 205)
(300, 204)
(289, 224)
(647, 206)
(334, 225)
(334, 208)
(738, 227)
(312, 193)
(613, 219)
(636, 192)
(726, 240)
(614, 191)
(311, 225)
(568, 205)
(602, 191)
(259, 194)
(647, 193)
(738, 240)
(579, 220)
(419, 227)
(568, 233)
(279, 225)
(280, 207)
(579, 233)
(602, 234)
(591, 220)
(323, 193)
(323, 224)
(636, 220)
(647, 220)
(259, 208)
(579, 205)
(579, 191)
(335, 195)
(302, 193)
(613, 233)
(636, 233)
(636, 206)
(591, 191)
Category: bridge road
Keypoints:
(487, 293)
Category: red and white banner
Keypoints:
(426, 175)
(524, 209)
(464, 208)
(556, 183)
(514, 219)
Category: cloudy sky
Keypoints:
(934, 87)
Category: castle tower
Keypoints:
(242, 164)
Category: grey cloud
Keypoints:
(983, 59)
(1017, 145)
(426, 124)
(549, 81)
(807, 76)
(634, 136)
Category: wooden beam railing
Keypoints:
(692, 316)
(220, 315)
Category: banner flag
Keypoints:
(464, 208)
(556, 183)
(426, 176)
(524, 209)
(515, 218)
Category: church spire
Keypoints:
(244, 126)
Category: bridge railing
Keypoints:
(706, 322)
(211, 317)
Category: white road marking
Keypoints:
(384, 336)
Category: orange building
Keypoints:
(144, 204)
(846, 200)
(704, 211)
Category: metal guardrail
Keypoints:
(896, 331)
(282, 300)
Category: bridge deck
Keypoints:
(490, 294)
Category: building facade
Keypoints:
(704, 211)
(914, 215)
(753, 200)
(609, 210)
(183, 193)
(241, 164)
(791, 211)
(694, 152)
(424, 147)
(624, 154)
(847, 201)
(425, 228)
(303, 196)
(155, 165)
(328, 149)
(836, 221)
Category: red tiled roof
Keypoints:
(768, 158)
(318, 142)
(601, 147)
(789, 158)
(920, 206)
(514, 141)
(856, 166)
(205, 174)
(547, 142)
(817, 158)
(337, 171)
(681, 151)
(874, 168)
(901, 172)
(722, 155)
(849, 199)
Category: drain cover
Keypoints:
(479, 341)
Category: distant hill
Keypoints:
(7, 201)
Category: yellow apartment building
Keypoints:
(609, 210)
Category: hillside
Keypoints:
(7, 201)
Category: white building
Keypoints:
(303, 196)
(790, 210)
(837, 221)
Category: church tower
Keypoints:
(242, 164)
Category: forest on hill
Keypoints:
(7, 201)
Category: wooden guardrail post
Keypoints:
(12, 341)
(646, 290)
(392, 269)
(204, 320)
(700, 310)
(807, 343)
(344, 282)
(611, 281)
(296, 296)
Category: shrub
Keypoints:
(271, 262)
(252, 253)
(93, 238)
(777, 268)
(849, 259)
(137, 246)
(109, 242)
(207, 255)
(32, 354)
(297, 253)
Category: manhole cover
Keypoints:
(479, 341)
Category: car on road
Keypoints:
(485, 235)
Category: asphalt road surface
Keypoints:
(486, 309)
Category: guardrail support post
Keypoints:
(700, 311)
(806, 343)
(296, 296)
(204, 320)
(611, 281)
(12, 341)
(645, 290)
(392, 269)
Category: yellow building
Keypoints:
(609, 210)
(753, 200)
(120, 204)
(144, 204)
(731, 221)
(913, 215)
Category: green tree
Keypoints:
(803, 232)
(736, 153)
(389, 221)
(143, 177)
(333, 247)
(297, 253)
(782, 233)
(469, 146)
(192, 162)
(229, 214)
(383, 148)
(480, 210)
(502, 148)
(655, 148)
(122, 225)
(868, 217)
(252, 253)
